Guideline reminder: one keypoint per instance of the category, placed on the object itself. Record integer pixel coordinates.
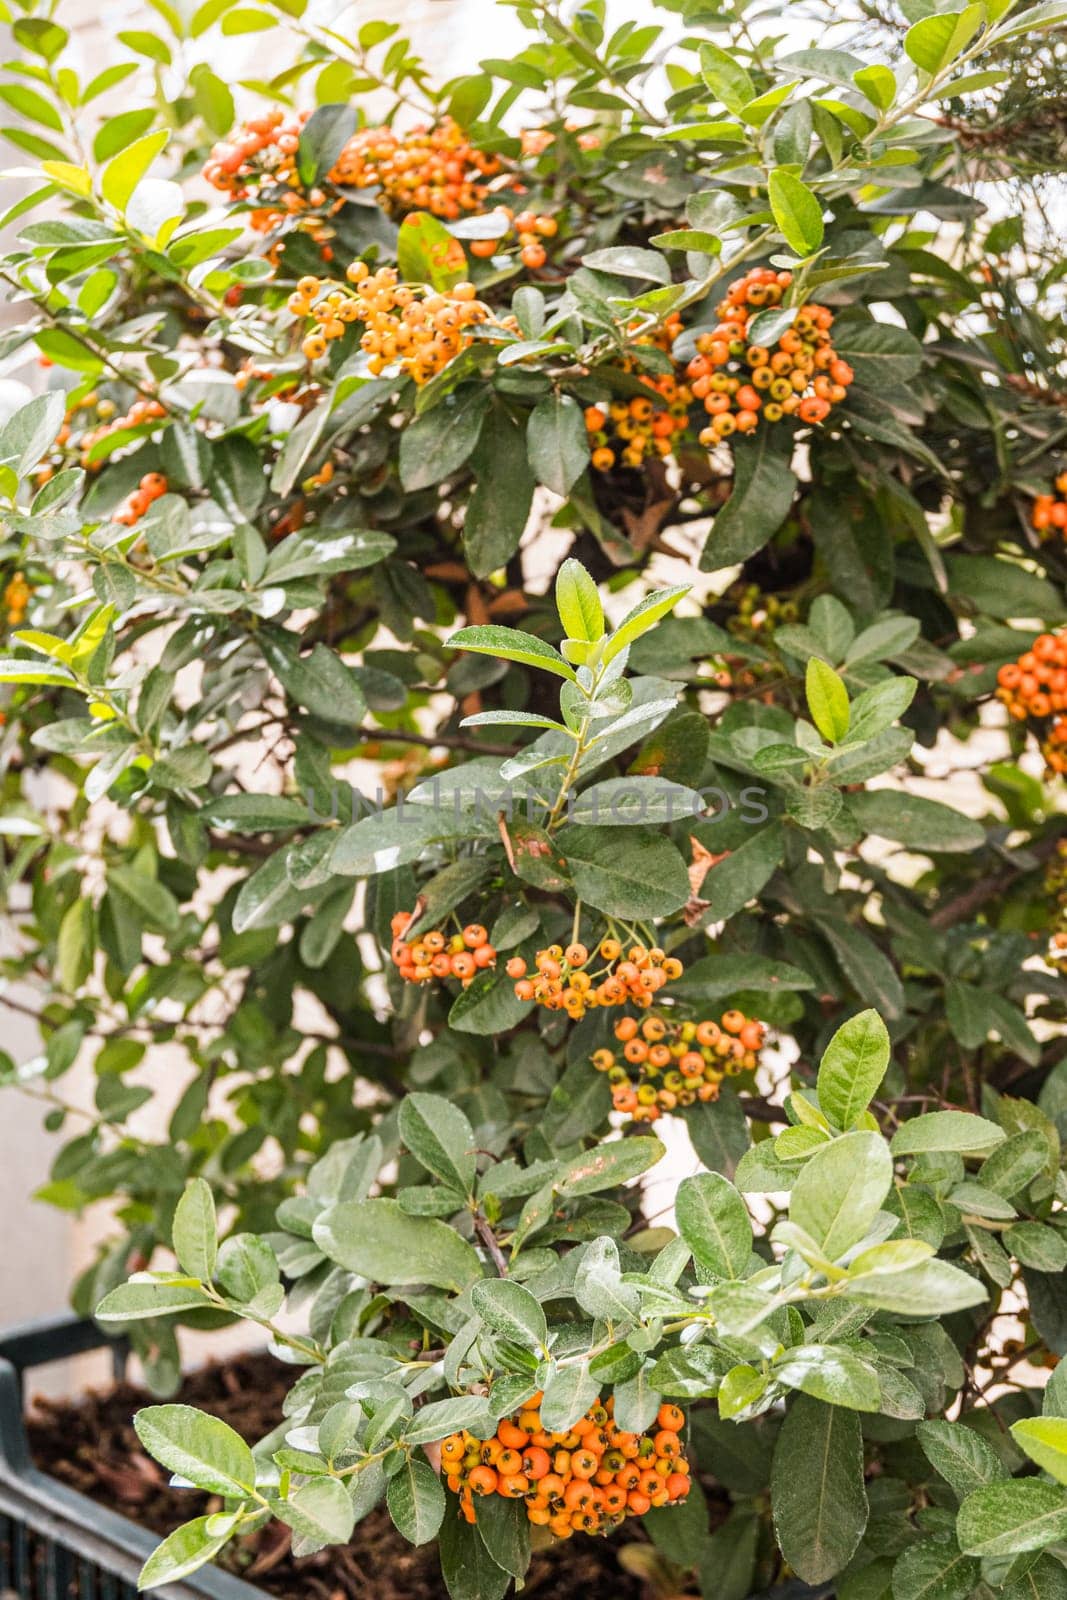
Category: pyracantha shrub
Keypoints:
(528, 604)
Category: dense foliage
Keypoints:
(493, 572)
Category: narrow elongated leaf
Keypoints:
(797, 212)
(817, 1491)
(195, 1231)
(853, 1065)
(558, 442)
(416, 1501)
(511, 644)
(715, 1224)
(185, 1550)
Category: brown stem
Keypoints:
(489, 1240)
(963, 906)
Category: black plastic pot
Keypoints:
(56, 1544)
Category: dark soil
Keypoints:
(90, 1444)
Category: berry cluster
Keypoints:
(437, 954)
(630, 430)
(757, 615)
(427, 169)
(17, 594)
(421, 332)
(587, 1479)
(532, 229)
(562, 981)
(740, 381)
(1049, 514)
(140, 413)
(1036, 686)
(263, 148)
(433, 169)
(677, 1063)
(133, 508)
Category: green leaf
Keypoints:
(939, 1131)
(499, 505)
(578, 603)
(124, 172)
(558, 443)
(510, 644)
(840, 1190)
(637, 875)
(607, 1165)
(1044, 1579)
(195, 1231)
(255, 813)
(489, 1005)
(879, 353)
(185, 1550)
(440, 1138)
(935, 1570)
(760, 501)
(829, 1372)
(435, 445)
(376, 1239)
(246, 1266)
(715, 1224)
(319, 681)
(511, 1310)
(322, 139)
(1045, 1441)
(320, 1512)
(818, 1497)
(1007, 1519)
(878, 84)
(469, 1571)
(416, 1501)
(156, 905)
(827, 700)
(598, 1285)
(568, 1394)
(914, 821)
(626, 802)
(29, 433)
(442, 1417)
(1015, 1164)
(963, 1458)
(427, 252)
(644, 615)
(725, 77)
(324, 553)
(504, 1529)
(628, 261)
(912, 1292)
(1038, 1247)
(853, 1065)
(878, 707)
(197, 1447)
(142, 1299)
(934, 41)
(741, 1387)
(797, 212)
